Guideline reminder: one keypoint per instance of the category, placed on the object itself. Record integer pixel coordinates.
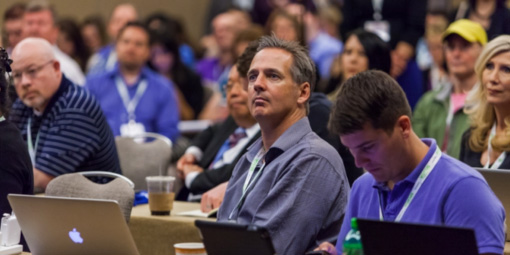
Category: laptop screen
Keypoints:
(391, 238)
(222, 238)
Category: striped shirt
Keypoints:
(73, 133)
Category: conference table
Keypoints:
(155, 235)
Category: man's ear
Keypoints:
(404, 125)
(56, 65)
(304, 92)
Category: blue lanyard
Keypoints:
(130, 104)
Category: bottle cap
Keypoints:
(354, 223)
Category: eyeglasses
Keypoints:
(31, 73)
(228, 87)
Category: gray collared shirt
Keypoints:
(300, 196)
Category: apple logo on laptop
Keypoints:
(75, 236)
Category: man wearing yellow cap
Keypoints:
(439, 113)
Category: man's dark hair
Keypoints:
(39, 6)
(137, 24)
(244, 61)
(15, 12)
(368, 97)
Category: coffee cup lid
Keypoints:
(189, 245)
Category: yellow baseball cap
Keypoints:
(469, 30)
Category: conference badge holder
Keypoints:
(132, 129)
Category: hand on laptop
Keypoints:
(328, 247)
(212, 199)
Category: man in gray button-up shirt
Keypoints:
(290, 181)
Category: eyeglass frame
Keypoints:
(31, 73)
(228, 87)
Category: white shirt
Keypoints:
(228, 157)
(69, 67)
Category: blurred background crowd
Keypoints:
(195, 43)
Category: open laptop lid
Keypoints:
(223, 238)
(56, 225)
(498, 180)
(391, 238)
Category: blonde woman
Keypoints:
(487, 143)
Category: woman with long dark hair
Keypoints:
(70, 41)
(363, 51)
(93, 31)
(165, 59)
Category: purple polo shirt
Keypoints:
(454, 194)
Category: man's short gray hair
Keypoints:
(302, 68)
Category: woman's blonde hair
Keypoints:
(480, 112)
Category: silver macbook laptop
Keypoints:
(57, 225)
(499, 181)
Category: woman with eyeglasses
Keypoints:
(487, 143)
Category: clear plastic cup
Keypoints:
(161, 195)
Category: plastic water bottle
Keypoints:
(352, 243)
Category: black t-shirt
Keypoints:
(16, 174)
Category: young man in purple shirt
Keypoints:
(373, 119)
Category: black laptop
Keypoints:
(224, 238)
(390, 238)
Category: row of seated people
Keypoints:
(297, 159)
(187, 87)
(315, 27)
(169, 54)
(430, 119)
(461, 35)
(373, 119)
(21, 75)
